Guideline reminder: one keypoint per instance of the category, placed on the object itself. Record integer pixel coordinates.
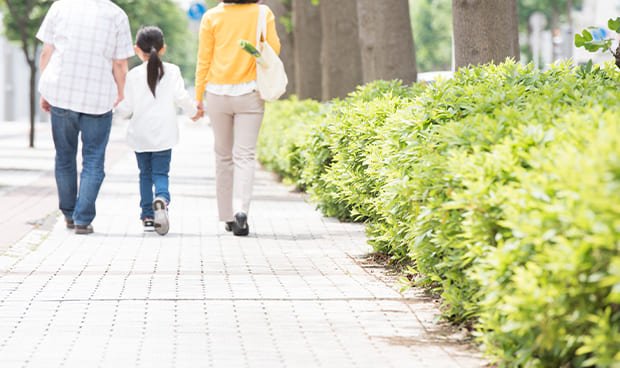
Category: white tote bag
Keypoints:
(270, 74)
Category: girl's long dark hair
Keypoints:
(151, 40)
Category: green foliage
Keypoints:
(591, 43)
(287, 19)
(496, 187)
(211, 3)
(347, 191)
(282, 139)
(167, 15)
(614, 24)
(431, 21)
(26, 18)
(586, 41)
(551, 285)
(22, 20)
(553, 9)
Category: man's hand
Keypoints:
(44, 58)
(45, 106)
(119, 99)
(119, 70)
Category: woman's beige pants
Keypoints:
(236, 122)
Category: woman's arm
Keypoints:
(206, 42)
(272, 34)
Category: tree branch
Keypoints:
(22, 27)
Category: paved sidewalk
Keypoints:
(296, 293)
(27, 187)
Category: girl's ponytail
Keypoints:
(151, 40)
(154, 70)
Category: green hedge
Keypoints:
(281, 138)
(500, 188)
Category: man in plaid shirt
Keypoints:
(83, 69)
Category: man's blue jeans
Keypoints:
(154, 168)
(67, 127)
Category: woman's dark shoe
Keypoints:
(240, 226)
(229, 226)
(84, 229)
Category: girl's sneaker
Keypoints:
(149, 224)
(161, 223)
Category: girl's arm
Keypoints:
(181, 97)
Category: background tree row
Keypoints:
(329, 46)
(22, 19)
(340, 44)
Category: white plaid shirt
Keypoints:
(87, 36)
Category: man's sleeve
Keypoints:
(124, 44)
(46, 31)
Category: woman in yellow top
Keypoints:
(228, 74)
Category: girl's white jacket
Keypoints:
(153, 119)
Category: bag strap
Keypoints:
(261, 28)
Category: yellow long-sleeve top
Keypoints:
(220, 58)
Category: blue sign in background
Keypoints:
(599, 34)
(196, 11)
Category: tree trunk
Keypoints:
(282, 10)
(569, 37)
(33, 102)
(555, 15)
(569, 14)
(485, 31)
(30, 53)
(340, 51)
(386, 40)
(307, 35)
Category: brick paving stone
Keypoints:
(295, 293)
(27, 186)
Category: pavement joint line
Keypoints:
(174, 300)
(299, 292)
(278, 241)
(27, 246)
(31, 241)
(115, 313)
(46, 334)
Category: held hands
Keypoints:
(201, 111)
(119, 98)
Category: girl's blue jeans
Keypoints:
(154, 168)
